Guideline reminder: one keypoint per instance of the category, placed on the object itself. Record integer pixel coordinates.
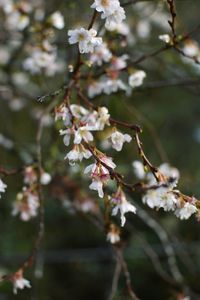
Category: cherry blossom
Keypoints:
(116, 17)
(86, 39)
(136, 79)
(26, 205)
(113, 235)
(106, 6)
(138, 169)
(45, 178)
(101, 54)
(191, 48)
(122, 205)
(3, 187)
(184, 212)
(77, 154)
(57, 20)
(120, 28)
(99, 174)
(165, 38)
(160, 197)
(118, 139)
(42, 60)
(19, 282)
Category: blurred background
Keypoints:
(75, 261)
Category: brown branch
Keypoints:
(127, 277)
(146, 162)
(173, 18)
(116, 275)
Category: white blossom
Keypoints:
(118, 139)
(97, 185)
(120, 28)
(57, 20)
(191, 48)
(170, 172)
(62, 112)
(95, 88)
(3, 187)
(67, 135)
(113, 235)
(136, 79)
(82, 133)
(77, 154)
(106, 6)
(17, 20)
(121, 205)
(26, 205)
(143, 29)
(45, 178)
(103, 118)
(115, 18)
(186, 211)
(86, 39)
(160, 197)
(118, 63)
(138, 169)
(42, 60)
(19, 282)
(78, 111)
(101, 54)
(111, 11)
(165, 38)
(112, 85)
(100, 174)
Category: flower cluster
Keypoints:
(27, 201)
(110, 10)
(164, 194)
(80, 123)
(17, 15)
(42, 59)
(99, 173)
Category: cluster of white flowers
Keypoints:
(19, 282)
(80, 123)
(111, 82)
(163, 194)
(27, 201)
(119, 28)
(42, 60)
(121, 204)
(3, 187)
(107, 85)
(86, 39)
(111, 11)
(100, 175)
(26, 204)
(100, 55)
(17, 14)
